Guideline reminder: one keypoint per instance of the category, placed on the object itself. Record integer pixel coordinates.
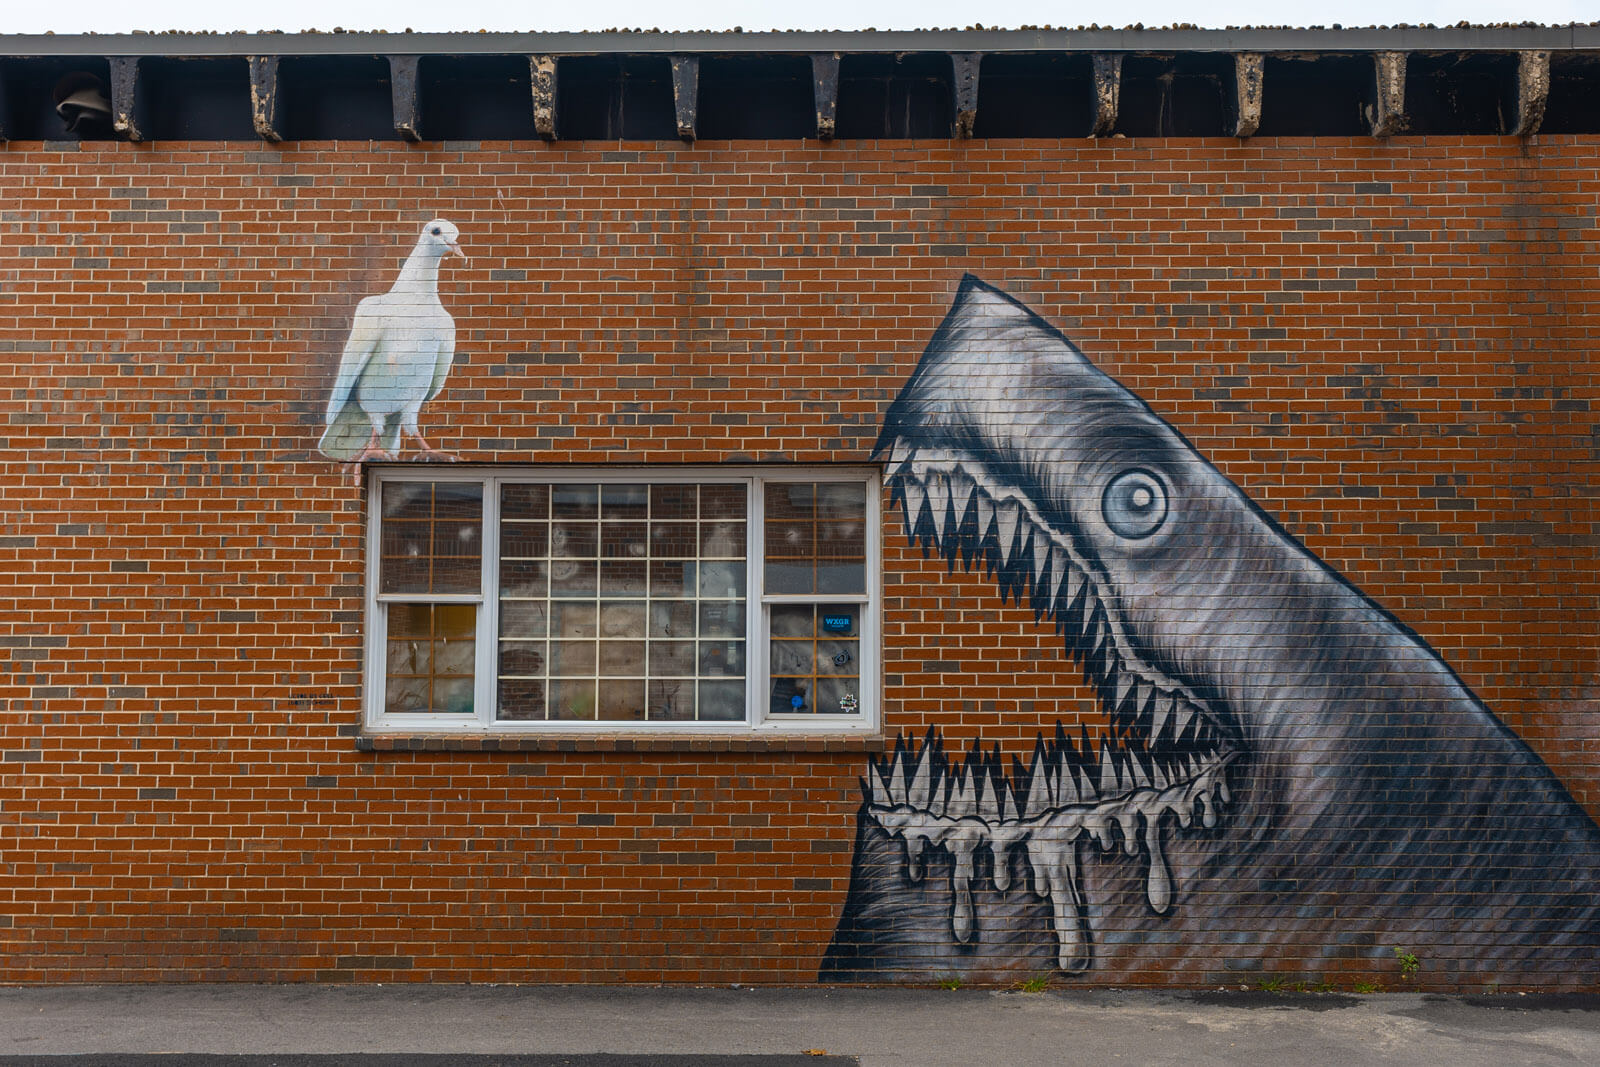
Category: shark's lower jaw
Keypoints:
(919, 796)
(1165, 758)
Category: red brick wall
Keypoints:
(1386, 345)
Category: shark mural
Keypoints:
(1290, 773)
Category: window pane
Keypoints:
(790, 500)
(672, 619)
(575, 501)
(572, 658)
(524, 578)
(524, 540)
(842, 500)
(637, 575)
(522, 658)
(573, 618)
(430, 658)
(671, 659)
(673, 501)
(719, 658)
(722, 580)
(623, 619)
(722, 540)
(672, 578)
(722, 502)
(622, 659)
(624, 577)
(721, 618)
(431, 537)
(838, 578)
(621, 700)
(791, 539)
(525, 502)
(624, 540)
(674, 540)
(791, 577)
(572, 699)
(721, 701)
(571, 578)
(670, 700)
(815, 659)
(625, 501)
(574, 540)
(522, 698)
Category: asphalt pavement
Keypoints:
(609, 1026)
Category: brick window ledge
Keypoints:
(820, 744)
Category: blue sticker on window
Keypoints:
(838, 624)
(797, 702)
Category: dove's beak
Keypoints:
(455, 250)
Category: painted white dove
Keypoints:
(396, 359)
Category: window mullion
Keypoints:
(755, 612)
(486, 691)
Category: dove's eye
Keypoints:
(437, 231)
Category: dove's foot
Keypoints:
(434, 455)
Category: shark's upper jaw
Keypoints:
(1166, 755)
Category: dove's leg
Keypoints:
(427, 449)
(373, 449)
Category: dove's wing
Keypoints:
(447, 355)
(366, 336)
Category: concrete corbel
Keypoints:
(685, 93)
(1247, 88)
(1107, 91)
(965, 66)
(1533, 91)
(1388, 116)
(264, 99)
(825, 90)
(125, 97)
(403, 96)
(543, 71)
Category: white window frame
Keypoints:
(759, 720)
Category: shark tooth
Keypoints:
(916, 502)
(1042, 561)
(1183, 713)
(986, 514)
(1008, 514)
(1125, 684)
(1071, 585)
(1066, 787)
(958, 802)
(961, 490)
(1110, 780)
(1160, 713)
(1085, 789)
(919, 780)
(1140, 779)
(939, 503)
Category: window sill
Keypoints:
(820, 744)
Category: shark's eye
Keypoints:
(1135, 504)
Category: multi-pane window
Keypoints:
(519, 601)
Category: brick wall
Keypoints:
(1386, 345)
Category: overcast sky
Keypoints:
(115, 16)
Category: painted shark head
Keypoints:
(1366, 778)
(1008, 450)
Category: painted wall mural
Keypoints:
(1289, 770)
(401, 346)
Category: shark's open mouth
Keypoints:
(1166, 754)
